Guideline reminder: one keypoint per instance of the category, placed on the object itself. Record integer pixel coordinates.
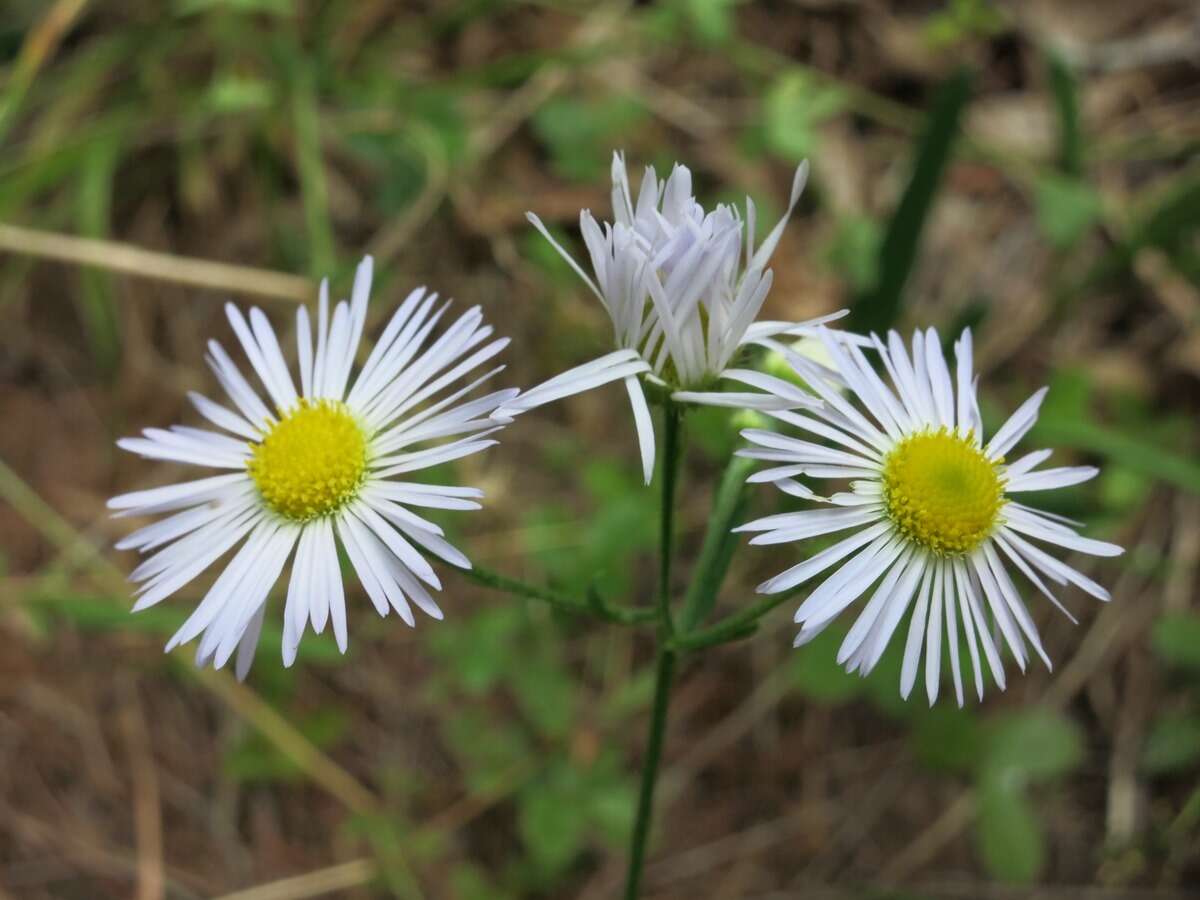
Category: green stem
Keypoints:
(658, 726)
(670, 474)
(719, 544)
(739, 625)
(665, 662)
(594, 605)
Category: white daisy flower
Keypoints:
(932, 508)
(314, 470)
(681, 295)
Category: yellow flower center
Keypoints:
(312, 462)
(942, 492)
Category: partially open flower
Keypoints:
(682, 287)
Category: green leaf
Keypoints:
(1066, 208)
(854, 251)
(1009, 834)
(1173, 744)
(470, 882)
(711, 20)
(1176, 640)
(550, 824)
(233, 93)
(948, 738)
(817, 673)
(490, 764)
(1033, 745)
(793, 108)
(545, 692)
(579, 132)
(877, 309)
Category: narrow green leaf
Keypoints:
(1066, 103)
(877, 309)
(1132, 452)
(93, 210)
(310, 162)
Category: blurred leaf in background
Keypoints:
(794, 106)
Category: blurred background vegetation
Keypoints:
(1027, 168)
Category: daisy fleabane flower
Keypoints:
(314, 469)
(933, 510)
(682, 287)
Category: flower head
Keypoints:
(314, 470)
(932, 509)
(682, 287)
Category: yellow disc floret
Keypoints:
(312, 462)
(942, 492)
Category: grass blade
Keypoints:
(877, 309)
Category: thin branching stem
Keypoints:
(665, 659)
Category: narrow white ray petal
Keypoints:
(763, 254)
(1015, 605)
(1019, 561)
(847, 584)
(916, 636)
(295, 608)
(612, 367)
(174, 496)
(1049, 479)
(644, 425)
(1053, 567)
(952, 631)
(150, 449)
(1016, 426)
(244, 397)
(223, 588)
(545, 232)
(933, 637)
(939, 379)
(304, 351)
(818, 522)
(328, 570)
(348, 531)
(248, 645)
(172, 581)
(1026, 463)
(274, 559)
(393, 540)
(964, 359)
(819, 562)
(258, 361)
(999, 607)
(273, 357)
(223, 417)
(969, 628)
(733, 400)
(1043, 529)
(893, 611)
